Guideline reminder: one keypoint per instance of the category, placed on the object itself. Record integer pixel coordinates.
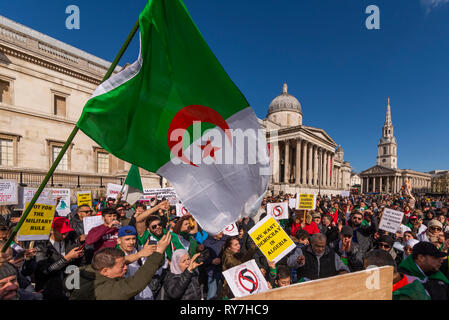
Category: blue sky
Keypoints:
(341, 72)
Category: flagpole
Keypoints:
(67, 144)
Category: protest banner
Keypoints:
(63, 207)
(92, 222)
(292, 203)
(181, 210)
(231, 230)
(26, 195)
(160, 193)
(371, 284)
(9, 193)
(305, 201)
(278, 210)
(37, 224)
(271, 239)
(391, 220)
(84, 197)
(113, 190)
(345, 193)
(245, 279)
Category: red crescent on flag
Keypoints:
(185, 117)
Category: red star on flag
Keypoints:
(209, 150)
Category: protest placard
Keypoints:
(345, 193)
(391, 220)
(245, 279)
(278, 210)
(9, 193)
(63, 207)
(271, 239)
(84, 197)
(181, 210)
(292, 203)
(305, 201)
(37, 224)
(160, 193)
(92, 222)
(231, 230)
(113, 190)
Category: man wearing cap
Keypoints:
(105, 235)
(9, 285)
(434, 229)
(424, 263)
(126, 242)
(416, 224)
(53, 256)
(348, 251)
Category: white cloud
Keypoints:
(432, 4)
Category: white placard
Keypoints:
(160, 193)
(391, 220)
(92, 222)
(63, 207)
(181, 210)
(9, 193)
(113, 190)
(231, 230)
(292, 203)
(345, 193)
(278, 210)
(27, 195)
(245, 279)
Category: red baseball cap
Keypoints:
(62, 225)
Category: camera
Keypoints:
(204, 255)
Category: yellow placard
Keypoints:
(37, 224)
(84, 197)
(306, 201)
(271, 239)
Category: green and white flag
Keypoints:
(134, 183)
(177, 113)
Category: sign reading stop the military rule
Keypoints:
(391, 220)
(306, 201)
(271, 239)
(37, 224)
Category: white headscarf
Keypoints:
(411, 243)
(175, 259)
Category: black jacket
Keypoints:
(50, 267)
(184, 286)
(355, 257)
(312, 270)
(364, 235)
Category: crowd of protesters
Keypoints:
(146, 252)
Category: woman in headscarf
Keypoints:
(182, 282)
(183, 235)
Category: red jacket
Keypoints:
(102, 237)
(311, 228)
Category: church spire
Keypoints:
(388, 115)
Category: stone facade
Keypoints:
(44, 84)
(304, 159)
(440, 181)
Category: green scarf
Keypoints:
(412, 269)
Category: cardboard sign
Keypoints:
(292, 203)
(391, 220)
(26, 195)
(271, 239)
(9, 192)
(63, 207)
(84, 197)
(37, 225)
(278, 210)
(305, 201)
(114, 189)
(181, 210)
(245, 279)
(231, 230)
(92, 222)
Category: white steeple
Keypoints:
(387, 147)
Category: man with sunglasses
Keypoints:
(348, 251)
(76, 220)
(363, 233)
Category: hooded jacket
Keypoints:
(95, 286)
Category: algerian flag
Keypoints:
(147, 113)
(134, 182)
